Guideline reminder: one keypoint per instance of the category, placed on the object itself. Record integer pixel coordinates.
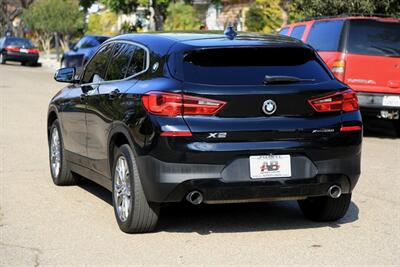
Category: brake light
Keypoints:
(33, 51)
(341, 101)
(170, 104)
(12, 49)
(338, 68)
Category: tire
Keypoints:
(396, 125)
(24, 63)
(325, 209)
(63, 176)
(2, 59)
(140, 216)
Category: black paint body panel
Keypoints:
(172, 166)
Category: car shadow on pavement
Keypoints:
(96, 190)
(248, 217)
(17, 64)
(230, 218)
(379, 128)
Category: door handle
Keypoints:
(83, 97)
(113, 94)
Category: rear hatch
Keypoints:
(20, 45)
(372, 63)
(237, 76)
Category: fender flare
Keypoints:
(119, 128)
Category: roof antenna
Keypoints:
(230, 32)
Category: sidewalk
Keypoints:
(50, 63)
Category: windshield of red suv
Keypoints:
(375, 38)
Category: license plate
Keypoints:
(391, 101)
(23, 50)
(270, 166)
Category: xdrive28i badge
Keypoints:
(269, 107)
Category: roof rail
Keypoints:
(346, 15)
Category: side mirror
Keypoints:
(65, 75)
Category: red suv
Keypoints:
(363, 52)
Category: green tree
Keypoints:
(255, 20)
(46, 17)
(180, 17)
(336, 7)
(103, 23)
(86, 4)
(123, 6)
(9, 11)
(267, 12)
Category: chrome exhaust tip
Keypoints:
(334, 191)
(195, 197)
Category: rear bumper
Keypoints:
(374, 101)
(171, 182)
(21, 57)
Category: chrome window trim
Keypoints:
(127, 78)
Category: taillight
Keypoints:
(170, 104)
(340, 101)
(33, 51)
(338, 68)
(12, 49)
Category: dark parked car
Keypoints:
(207, 118)
(19, 50)
(82, 51)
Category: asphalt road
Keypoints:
(41, 224)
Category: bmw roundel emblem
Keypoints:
(269, 107)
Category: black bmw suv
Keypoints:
(206, 118)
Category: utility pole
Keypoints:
(152, 26)
(57, 43)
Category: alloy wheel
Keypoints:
(122, 189)
(55, 152)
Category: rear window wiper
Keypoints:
(284, 80)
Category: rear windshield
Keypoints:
(376, 38)
(249, 66)
(19, 42)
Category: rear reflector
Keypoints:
(176, 134)
(350, 128)
(170, 104)
(341, 101)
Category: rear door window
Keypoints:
(138, 62)
(298, 32)
(249, 66)
(119, 64)
(375, 38)
(96, 69)
(325, 35)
